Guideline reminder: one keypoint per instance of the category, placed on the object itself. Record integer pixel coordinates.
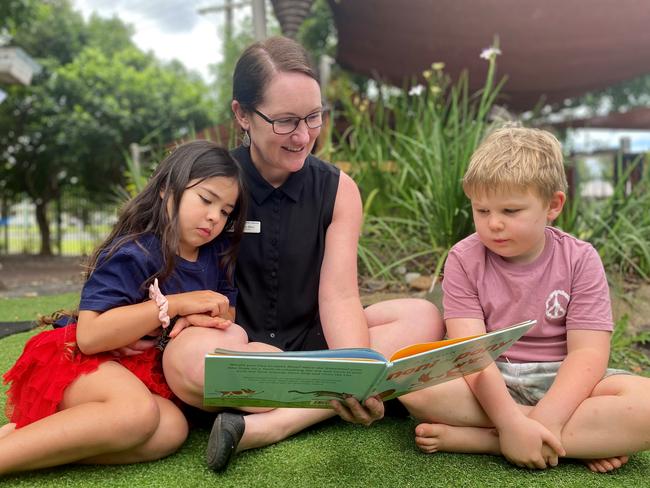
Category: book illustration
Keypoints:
(242, 392)
(320, 393)
(315, 378)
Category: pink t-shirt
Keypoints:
(564, 288)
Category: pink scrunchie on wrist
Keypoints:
(161, 300)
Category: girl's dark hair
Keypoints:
(147, 212)
(260, 61)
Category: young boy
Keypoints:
(551, 394)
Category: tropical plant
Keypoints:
(617, 226)
(626, 346)
(408, 151)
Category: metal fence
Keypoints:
(76, 226)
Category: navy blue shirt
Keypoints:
(124, 277)
(281, 254)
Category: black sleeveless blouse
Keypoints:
(279, 263)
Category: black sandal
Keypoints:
(227, 431)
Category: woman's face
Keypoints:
(287, 95)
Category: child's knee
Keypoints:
(235, 336)
(419, 404)
(171, 433)
(135, 419)
(426, 315)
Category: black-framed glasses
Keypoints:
(286, 125)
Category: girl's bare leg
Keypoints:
(169, 436)
(7, 429)
(105, 412)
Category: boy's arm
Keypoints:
(587, 350)
(583, 367)
(521, 438)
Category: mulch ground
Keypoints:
(26, 275)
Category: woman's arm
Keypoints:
(341, 313)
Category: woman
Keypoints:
(297, 267)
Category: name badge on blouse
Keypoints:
(253, 227)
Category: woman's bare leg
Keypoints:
(184, 358)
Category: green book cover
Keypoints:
(314, 378)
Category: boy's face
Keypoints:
(511, 223)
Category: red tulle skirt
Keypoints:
(51, 361)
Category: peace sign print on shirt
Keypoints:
(556, 304)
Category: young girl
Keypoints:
(73, 397)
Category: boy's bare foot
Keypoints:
(432, 438)
(7, 429)
(605, 465)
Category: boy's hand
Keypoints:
(549, 454)
(353, 411)
(522, 441)
(199, 320)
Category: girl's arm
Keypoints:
(521, 439)
(203, 320)
(115, 328)
(121, 326)
(341, 313)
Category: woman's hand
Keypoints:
(353, 411)
(199, 320)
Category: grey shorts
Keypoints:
(528, 382)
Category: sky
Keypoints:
(172, 29)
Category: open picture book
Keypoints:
(314, 378)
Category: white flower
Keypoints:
(416, 90)
(490, 53)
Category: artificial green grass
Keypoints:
(28, 308)
(332, 454)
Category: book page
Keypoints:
(350, 353)
(286, 382)
(448, 362)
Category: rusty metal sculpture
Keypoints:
(291, 14)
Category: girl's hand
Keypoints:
(135, 348)
(198, 302)
(199, 320)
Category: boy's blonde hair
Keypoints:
(517, 158)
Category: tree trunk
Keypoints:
(44, 228)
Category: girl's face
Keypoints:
(203, 211)
(511, 224)
(287, 95)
